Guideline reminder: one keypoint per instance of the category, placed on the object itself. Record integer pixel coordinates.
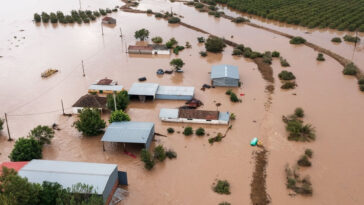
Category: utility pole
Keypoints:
(83, 69)
(171, 12)
(356, 37)
(79, 1)
(7, 126)
(102, 29)
(121, 34)
(114, 100)
(62, 107)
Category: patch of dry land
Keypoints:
(332, 102)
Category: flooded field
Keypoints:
(332, 102)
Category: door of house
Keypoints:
(123, 178)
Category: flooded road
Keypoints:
(331, 101)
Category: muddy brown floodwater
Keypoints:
(331, 101)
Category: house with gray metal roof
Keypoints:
(143, 91)
(104, 178)
(225, 76)
(194, 116)
(175, 93)
(130, 132)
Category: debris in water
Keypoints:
(48, 73)
(142, 79)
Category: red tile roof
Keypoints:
(104, 81)
(13, 165)
(140, 48)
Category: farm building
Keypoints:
(175, 93)
(225, 76)
(194, 116)
(130, 132)
(89, 101)
(143, 91)
(160, 49)
(106, 86)
(104, 178)
(108, 20)
(149, 49)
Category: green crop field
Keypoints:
(335, 14)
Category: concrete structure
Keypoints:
(108, 20)
(149, 49)
(143, 91)
(194, 116)
(225, 76)
(175, 93)
(106, 86)
(89, 101)
(102, 177)
(130, 132)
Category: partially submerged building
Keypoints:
(108, 20)
(106, 86)
(104, 178)
(149, 49)
(89, 101)
(225, 76)
(130, 132)
(151, 91)
(194, 116)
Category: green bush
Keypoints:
(177, 63)
(158, 15)
(237, 52)
(198, 5)
(43, 134)
(1, 124)
(309, 153)
(361, 81)
(351, 38)
(320, 57)
(288, 85)
(174, 20)
(298, 112)
(159, 153)
(157, 39)
(69, 19)
(240, 20)
(336, 39)
(37, 18)
(108, 10)
(121, 98)
(304, 162)
(286, 75)
(90, 122)
(228, 92)
(119, 116)
(177, 49)
(171, 43)
(298, 131)
(361, 87)
(96, 13)
(170, 130)
(224, 203)
(201, 39)
(214, 44)
(217, 138)
(141, 34)
(284, 62)
(149, 11)
(232, 116)
(275, 54)
(146, 157)
(267, 57)
(45, 17)
(188, 131)
(240, 47)
(171, 154)
(26, 149)
(200, 132)
(297, 40)
(233, 97)
(350, 69)
(203, 53)
(222, 187)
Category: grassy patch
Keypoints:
(297, 184)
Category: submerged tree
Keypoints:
(177, 63)
(142, 34)
(26, 149)
(90, 122)
(121, 98)
(43, 134)
(119, 116)
(214, 44)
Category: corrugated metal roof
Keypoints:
(175, 90)
(149, 89)
(222, 71)
(224, 116)
(168, 113)
(68, 173)
(129, 132)
(106, 87)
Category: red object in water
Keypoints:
(130, 154)
(242, 94)
(13, 165)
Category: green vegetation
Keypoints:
(350, 69)
(172, 42)
(45, 17)
(296, 184)
(16, 190)
(232, 116)
(174, 20)
(351, 39)
(26, 149)
(224, 203)
(76, 16)
(170, 130)
(90, 122)
(288, 85)
(177, 63)
(119, 116)
(240, 20)
(146, 157)
(275, 54)
(222, 187)
(200, 131)
(37, 18)
(188, 45)
(311, 14)
(297, 40)
(228, 92)
(304, 161)
(149, 11)
(201, 39)
(159, 153)
(267, 57)
(309, 153)
(361, 87)
(203, 53)
(320, 57)
(43, 134)
(336, 40)
(121, 98)
(286, 75)
(198, 5)
(298, 112)
(215, 13)
(360, 82)
(157, 39)
(217, 138)
(297, 130)
(237, 52)
(233, 97)
(1, 124)
(177, 49)
(171, 154)
(214, 44)
(188, 131)
(284, 62)
(158, 15)
(142, 34)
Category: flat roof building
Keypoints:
(194, 116)
(130, 132)
(225, 76)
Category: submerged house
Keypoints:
(106, 86)
(225, 76)
(104, 178)
(194, 116)
(149, 49)
(130, 132)
(108, 20)
(89, 101)
(152, 91)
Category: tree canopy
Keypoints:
(1, 124)
(121, 98)
(214, 44)
(119, 116)
(177, 63)
(43, 134)
(26, 149)
(142, 34)
(90, 122)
